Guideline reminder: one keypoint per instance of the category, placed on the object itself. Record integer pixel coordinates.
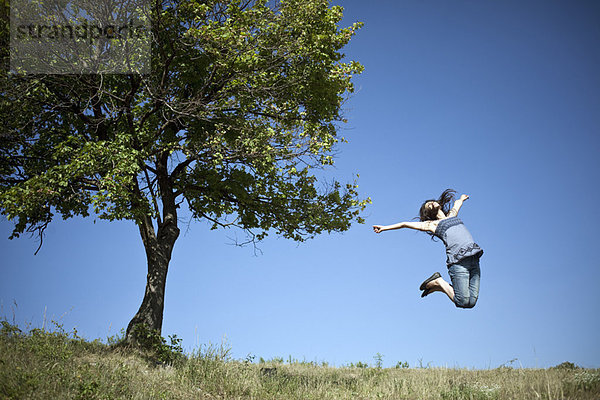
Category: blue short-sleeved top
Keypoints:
(459, 242)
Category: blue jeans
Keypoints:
(465, 276)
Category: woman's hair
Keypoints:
(427, 214)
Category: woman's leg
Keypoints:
(460, 276)
(464, 290)
(440, 285)
(475, 275)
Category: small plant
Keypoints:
(86, 390)
(249, 359)
(359, 364)
(508, 365)
(402, 365)
(151, 340)
(566, 365)
(378, 360)
(9, 330)
(117, 338)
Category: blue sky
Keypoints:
(498, 100)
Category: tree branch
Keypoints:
(155, 202)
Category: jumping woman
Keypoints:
(439, 220)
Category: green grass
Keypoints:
(57, 365)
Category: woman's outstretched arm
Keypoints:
(457, 205)
(420, 226)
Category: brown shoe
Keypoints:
(431, 278)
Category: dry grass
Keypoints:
(54, 365)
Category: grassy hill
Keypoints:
(40, 364)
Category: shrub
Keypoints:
(150, 340)
(566, 365)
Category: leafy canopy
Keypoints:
(239, 113)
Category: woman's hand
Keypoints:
(378, 228)
(457, 205)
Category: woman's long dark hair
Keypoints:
(427, 214)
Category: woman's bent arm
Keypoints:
(457, 205)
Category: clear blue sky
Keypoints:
(497, 99)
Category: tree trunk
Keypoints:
(158, 253)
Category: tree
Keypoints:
(240, 111)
